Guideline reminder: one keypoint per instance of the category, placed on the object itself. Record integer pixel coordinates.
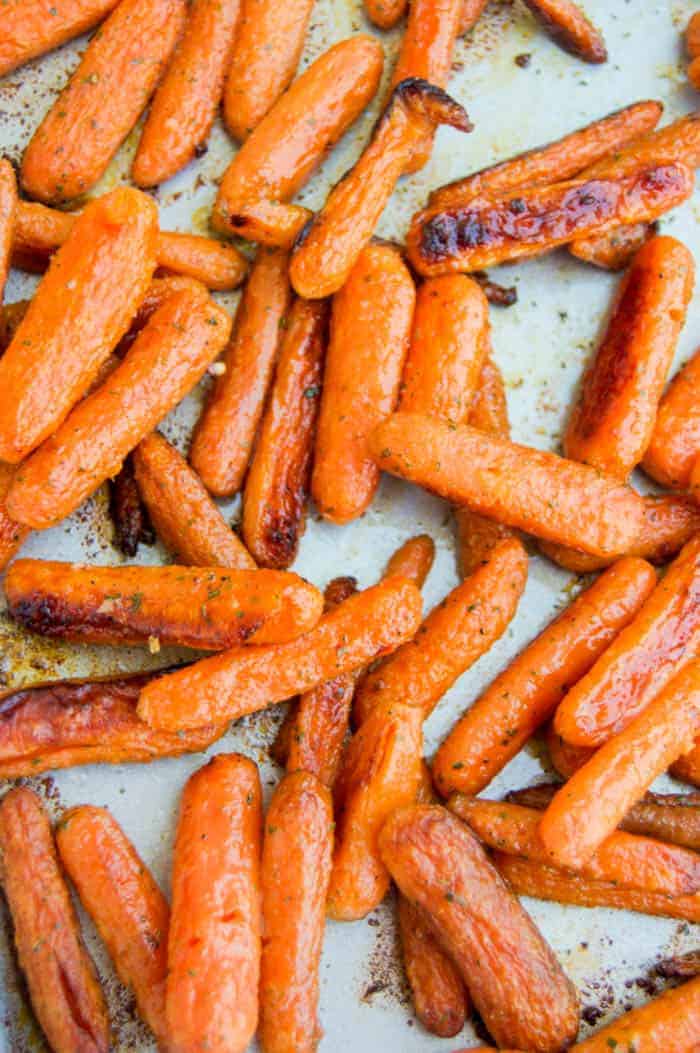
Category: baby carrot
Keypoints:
(103, 99)
(63, 985)
(615, 250)
(566, 24)
(564, 758)
(81, 309)
(385, 13)
(296, 868)
(369, 334)
(224, 435)
(28, 30)
(471, 13)
(675, 440)
(132, 526)
(8, 210)
(678, 141)
(692, 35)
(413, 559)
(215, 926)
(276, 489)
(687, 768)
(671, 1021)
(184, 516)
(120, 895)
(497, 726)
(166, 360)
(12, 534)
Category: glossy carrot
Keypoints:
(525, 695)
(513, 977)
(104, 98)
(385, 13)
(158, 292)
(615, 250)
(215, 926)
(296, 868)
(335, 237)
(292, 139)
(548, 496)
(678, 141)
(413, 559)
(106, 264)
(662, 639)
(670, 1021)
(184, 516)
(224, 435)
(120, 895)
(675, 441)
(687, 768)
(266, 53)
(565, 758)
(369, 335)
(63, 985)
(244, 680)
(167, 359)
(29, 31)
(12, 533)
(381, 771)
(276, 489)
(8, 209)
(184, 106)
(455, 634)
(569, 27)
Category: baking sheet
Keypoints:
(541, 344)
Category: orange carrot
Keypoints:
(615, 250)
(413, 559)
(687, 768)
(671, 1021)
(369, 335)
(692, 36)
(675, 441)
(385, 13)
(471, 13)
(29, 30)
(12, 534)
(678, 141)
(8, 209)
(11, 314)
(565, 758)
(570, 28)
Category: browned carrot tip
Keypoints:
(615, 250)
(670, 1021)
(570, 28)
(127, 511)
(385, 13)
(413, 559)
(687, 768)
(28, 33)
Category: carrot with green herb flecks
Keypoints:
(29, 29)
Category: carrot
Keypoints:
(296, 868)
(670, 1021)
(369, 334)
(207, 608)
(72, 722)
(471, 13)
(497, 726)
(292, 139)
(569, 27)
(106, 263)
(680, 966)
(663, 638)
(63, 985)
(564, 758)
(687, 768)
(185, 518)
(381, 771)
(158, 292)
(11, 314)
(12, 533)
(276, 490)
(244, 680)
(455, 634)
(385, 13)
(675, 441)
(694, 481)
(331, 243)
(184, 106)
(120, 895)
(678, 141)
(546, 495)
(167, 359)
(224, 435)
(127, 511)
(27, 32)
(268, 46)
(8, 209)
(215, 925)
(615, 250)
(513, 977)
(103, 99)
(692, 36)
(485, 232)
(413, 559)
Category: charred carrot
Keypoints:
(28, 30)
(276, 489)
(615, 250)
(12, 534)
(385, 13)
(63, 986)
(670, 1021)
(266, 53)
(569, 27)
(496, 727)
(224, 435)
(675, 441)
(8, 210)
(292, 139)
(369, 335)
(122, 898)
(513, 977)
(103, 99)
(215, 925)
(167, 359)
(296, 868)
(127, 511)
(184, 516)
(81, 309)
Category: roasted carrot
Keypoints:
(127, 511)
(369, 335)
(268, 46)
(120, 895)
(694, 481)
(292, 139)
(565, 758)
(208, 608)
(381, 771)
(498, 295)
(243, 680)
(8, 209)
(30, 30)
(224, 435)
(662, 639)
(185, 104)
(471, 13)
(694, 73)
(671, 1021)
(497, 726)
(12, 534)
(385, 13)
(185, 518)
(679, 966)
(513, 977)
(103, 99)
(215, 925)
(675, 441)
(167, 359)
(692, 36)
(11, 314)
(678, 141)
(63, 985)
(413, 559)
(566, 24)
(158, 292)
(546, 495)
(331, 243)
(296, 868)
(687, 768)
(74, 722)
(455, 634)
(615, 250)
(439, 996)
(276, 489)
(105, 265)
